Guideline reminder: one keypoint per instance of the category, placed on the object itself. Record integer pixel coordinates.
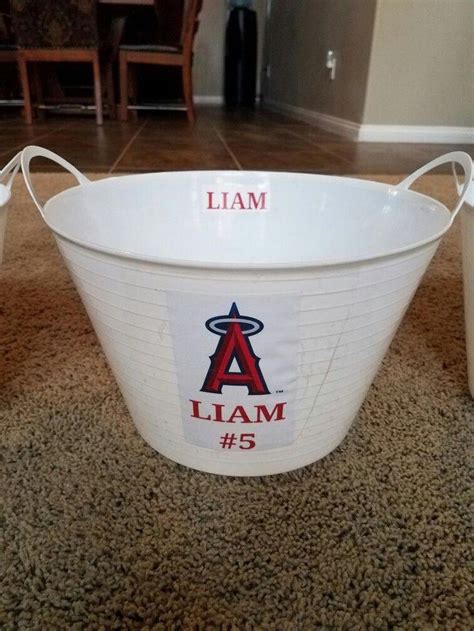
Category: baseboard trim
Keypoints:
(416, 133)
(334, 124)
(375, 133)
(209, 99)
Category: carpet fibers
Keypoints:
(101, 532)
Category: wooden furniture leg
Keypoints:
(109, 86)
(25, 86)
(97, 90)
(123, 67)
(188, 92)
(38, 90)
(133, 91)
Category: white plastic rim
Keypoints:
(397, 220)
(244, 340)
(7, 175)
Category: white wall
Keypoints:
(298, 36)
(209, 48)
(422, 64)
(405, 68)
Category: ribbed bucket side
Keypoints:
(347, 316)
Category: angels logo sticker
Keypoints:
(234, 346)
(236, 371)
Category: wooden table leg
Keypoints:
(25, 86)
(97, 90)
(123, 86)
(38, 90)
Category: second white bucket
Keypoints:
(245, 314)
(7, 175)
(468, 278)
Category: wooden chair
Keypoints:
(178, 55)
(59, 31)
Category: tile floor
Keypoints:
(221, 139)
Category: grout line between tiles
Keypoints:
(314, 143)
(127, 147)
(228, 149)
(34, 140)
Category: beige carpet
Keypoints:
(101, 532)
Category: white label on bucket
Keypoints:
(236, 366)
(232, 197)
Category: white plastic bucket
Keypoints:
(468, 279)
(245, 314)
(7, 175)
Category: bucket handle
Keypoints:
(470, 196)
(11, 169)
(458, 157)
(33, 151)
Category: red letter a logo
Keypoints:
(234, 345)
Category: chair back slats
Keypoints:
(55, 23)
